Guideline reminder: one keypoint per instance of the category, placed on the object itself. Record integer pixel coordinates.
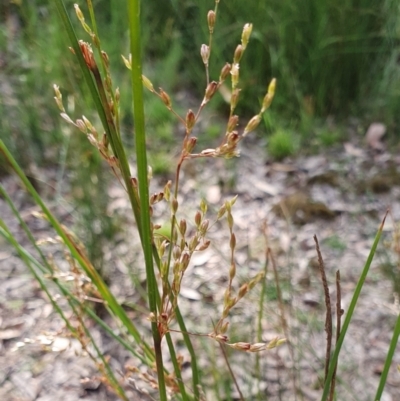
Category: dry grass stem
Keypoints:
(328, 318)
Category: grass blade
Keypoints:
(350, 312)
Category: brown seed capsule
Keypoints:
(191, 143)
(165, 98)
(211, 20)
(197, 218)
(190, 120)
(226, 69)
(182, 227)
(210, 91)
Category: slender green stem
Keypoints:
(141, 158)
(389, 358)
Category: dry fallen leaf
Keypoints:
(374, 136)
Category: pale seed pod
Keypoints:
(106, 59)
(246, 34)
(224, 328)
(232, 123)
(127, 63)
(233, 200)
(257, 347)
(81, 125)
(117, 95)
(167, 190)
(147, 83)
(252, 124)
(211, 20)
(194, 241)
(234, 98)
(238, 54)
(205, 53)
(269, 95)
(235, 75)
(221, 212)
(241, 346)
(58, 98)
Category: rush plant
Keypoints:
(167, 255)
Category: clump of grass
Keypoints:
(281, 144)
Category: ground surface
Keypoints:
(340, 195)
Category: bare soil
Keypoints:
(340, 195)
